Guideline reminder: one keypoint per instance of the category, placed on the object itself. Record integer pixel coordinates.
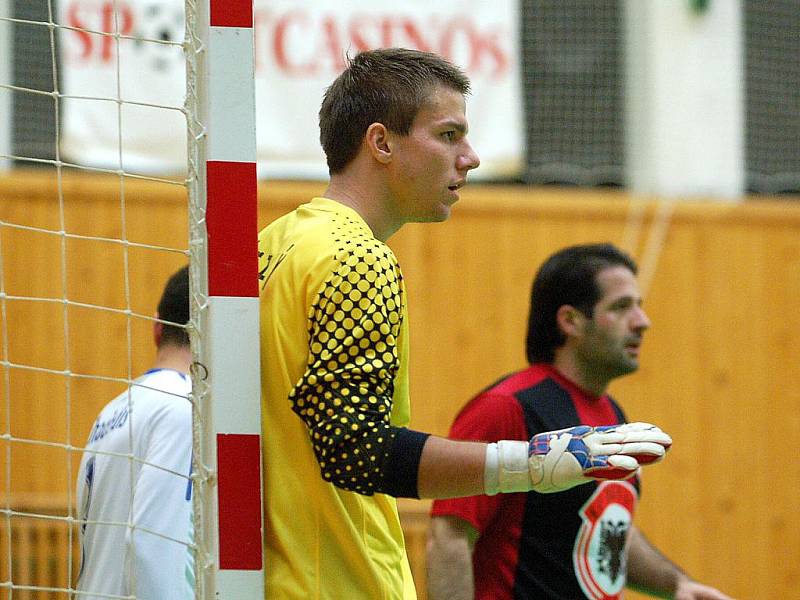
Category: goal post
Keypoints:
(222, 183)
(88, 230)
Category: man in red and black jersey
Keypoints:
(585, 329)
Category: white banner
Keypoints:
(300, 47)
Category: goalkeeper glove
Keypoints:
(558, 460)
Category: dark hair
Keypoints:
(387, 86)
(174, 307)
(568, 277)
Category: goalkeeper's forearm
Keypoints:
(451, 469)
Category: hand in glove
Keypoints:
(558, 460)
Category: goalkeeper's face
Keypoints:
(611, 339)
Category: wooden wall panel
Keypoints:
(37, 550)
(720, 368)
(48, 335)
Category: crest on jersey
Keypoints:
(599, 555)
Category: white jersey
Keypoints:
(134, 509)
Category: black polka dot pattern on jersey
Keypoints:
(345, 395)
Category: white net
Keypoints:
(85, 251)
(572, 74)
(573, 56)
(32, 69)
(772, 44)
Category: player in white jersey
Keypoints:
(134, 495)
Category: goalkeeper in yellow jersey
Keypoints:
(334, 347)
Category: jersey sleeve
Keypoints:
(345, 395)
(487, 418)
(158, 547)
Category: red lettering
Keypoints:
(107, 27)
(85, 40)
(332, 44)
(489, 45)
(386, 33)
(358, 24)
(107, 17)
(414, 35)
(117, 18)
(463, 43)
(302, 43)
(260, 27)
(280, 44)
(448, 46)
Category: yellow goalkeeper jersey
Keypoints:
(334, 358)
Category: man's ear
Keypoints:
(377, 140)
(570, 320)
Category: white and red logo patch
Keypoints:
(599, 556)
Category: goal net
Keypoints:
(92, 224)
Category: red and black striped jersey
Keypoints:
(566, 545)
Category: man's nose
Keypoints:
(469, 158)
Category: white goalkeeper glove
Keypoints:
(558, 460)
